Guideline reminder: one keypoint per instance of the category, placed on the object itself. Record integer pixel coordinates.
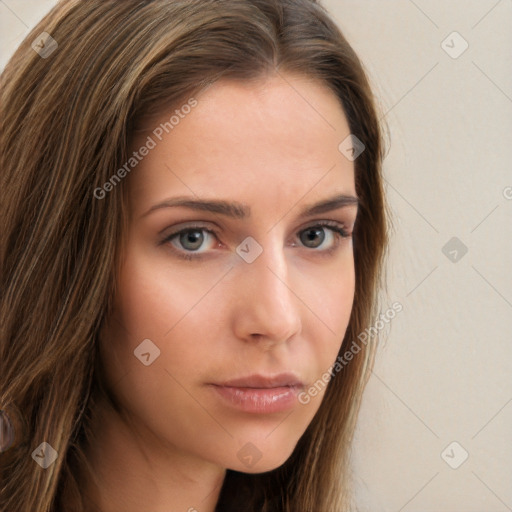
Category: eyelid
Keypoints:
(329, 224)
(193, 224)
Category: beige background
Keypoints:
(444, 374)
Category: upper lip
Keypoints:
(263, 382)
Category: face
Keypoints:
(237, 276)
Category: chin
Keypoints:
(261, 466)
(261, 458)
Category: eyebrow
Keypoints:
(237, 210)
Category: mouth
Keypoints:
(263, 382)
(260, 394)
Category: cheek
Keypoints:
(328, 292)
(339, 297)
(146, 307)
(152, 298)
(331, 304)
(158, 313)
(178, 310)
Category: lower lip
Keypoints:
(259, 400)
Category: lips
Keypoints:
(262, 382)
(260, 394)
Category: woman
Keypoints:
(194, 228)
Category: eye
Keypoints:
(314, 236)
(191, 239)
(194, 242)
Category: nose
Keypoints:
(266, 306)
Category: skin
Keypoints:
(272, 145)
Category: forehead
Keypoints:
(278, 137)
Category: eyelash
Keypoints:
(335, 227)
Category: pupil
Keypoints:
(192, 240)
(308, 237)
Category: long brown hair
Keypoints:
(67, 118)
